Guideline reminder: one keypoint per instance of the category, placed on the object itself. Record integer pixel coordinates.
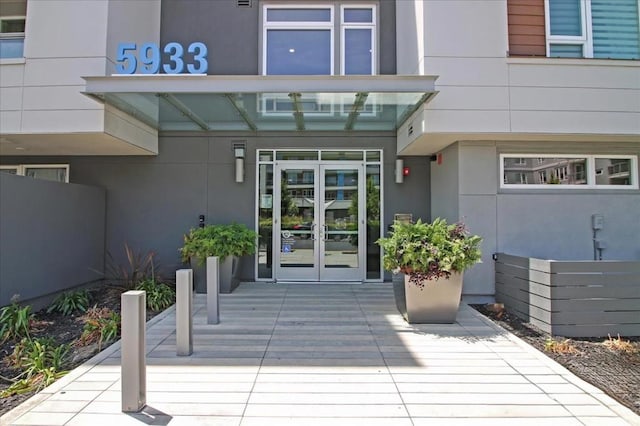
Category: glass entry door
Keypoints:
(319, 221)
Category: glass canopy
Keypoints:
(315, 103)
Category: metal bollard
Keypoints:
(184, 312)
(134, 370)
(213, 289)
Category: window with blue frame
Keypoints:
(302, 39)
(606, 29)
(12, 37)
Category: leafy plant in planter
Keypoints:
(224, 241)
(427, 251)
(218, 240)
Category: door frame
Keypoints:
(300, 273)
(343, 274)
(266, 159)
(319, 231)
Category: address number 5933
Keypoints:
(148, 60)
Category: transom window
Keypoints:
(570, 171)
(12, 37)
(303, 39)
(593, 29)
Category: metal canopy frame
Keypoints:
(410, 91)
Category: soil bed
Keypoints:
(614, 372)
(64, 330)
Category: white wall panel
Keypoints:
(410, 37)
(575, 99)
(10, 121)
(10, 99)
(465, 28)
(459, 71)
(126, 128)
(461, 121)
(62, 121)
(575, 122)
(58, 98)
(66, 29)
(620, 75)
(62, 71)
(471, 97)
(11, 75)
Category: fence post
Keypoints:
(184, 312)
(213, 289)
(133, 359)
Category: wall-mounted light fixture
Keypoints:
(399, 170)
(239, 153)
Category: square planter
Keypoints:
(436, 303)
(228, 275)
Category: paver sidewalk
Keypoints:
(328, 354)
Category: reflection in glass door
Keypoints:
(295, 220)
(341, 205)
(319, 222)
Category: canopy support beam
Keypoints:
(174, 102)
(240, 109)
(297, 111)
(358, 104)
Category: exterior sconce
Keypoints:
(239, 153)
(399, 170)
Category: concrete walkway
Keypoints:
(328, 354)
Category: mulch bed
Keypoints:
(64, 330)
(614, 372)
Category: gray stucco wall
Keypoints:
(51, 236)
(153, 201)
(230, 33)
(546, 224)
(444, 194)
(233, 35)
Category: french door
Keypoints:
(319, 221)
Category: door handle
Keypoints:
(313, 231)
(326, 232)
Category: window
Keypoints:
(358, 40)
(298, 40)
(570, 171)
(53, 172)
(12, 37)
(301, 39)
(593, 29)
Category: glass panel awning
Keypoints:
(265, 103)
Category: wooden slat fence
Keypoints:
(571, 298)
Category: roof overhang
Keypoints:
(257, 103)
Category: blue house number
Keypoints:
(149, 58)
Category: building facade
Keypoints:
(520, 117)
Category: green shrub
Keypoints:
(41, 361)
(218, 240)
(159, 295)
(70, 302)
(101, 325)
(15, 321)
(427, 251)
